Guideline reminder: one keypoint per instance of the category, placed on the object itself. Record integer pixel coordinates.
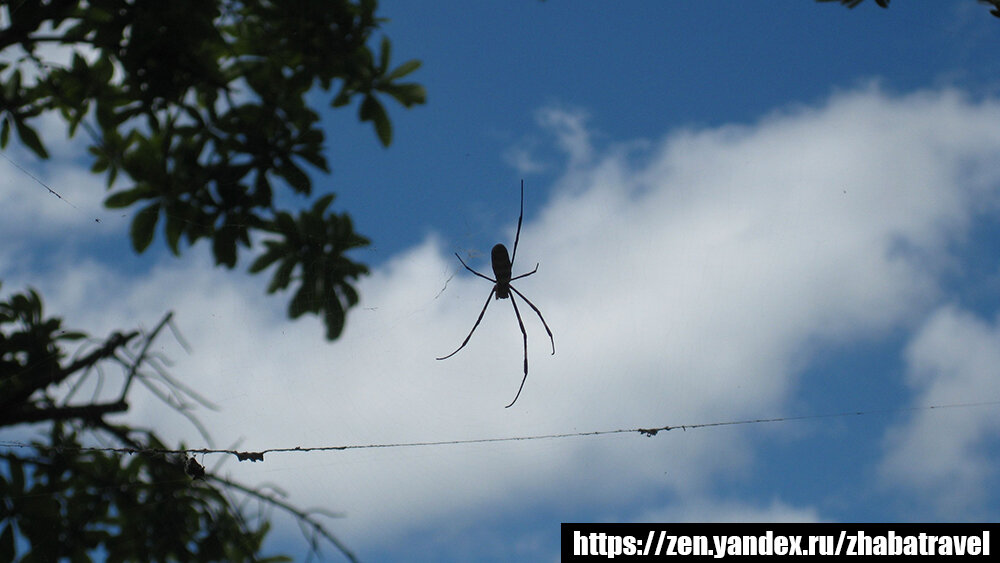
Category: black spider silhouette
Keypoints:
(501, 288)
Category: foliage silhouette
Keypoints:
(67, 502)
(201, 106)
(885, 4)
(196, 113)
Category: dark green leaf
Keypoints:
(262, 189)
(300, 301)
(74, 335)
(77, 33)
(342, 99)
(224, 246)
(30, 138)
(403, 69)
(407, 94)
(174, 229)
(313, 226)
(143, 227)
(265, 260)
(383, 64)
(12, 89)
(282, 276)
(322, 203)
(367, 110)
(286, 224)
(126, 198)
(99, 165)
(295, 177)
(7, 552)
(383, 127)
(74, 122)
(16, 479)
(316, 159)
(350, 294)
(372, 110)
(334, 319)
(41, 507)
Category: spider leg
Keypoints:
(473, 271)
(519, 217)
(525, 275)
(483, 312)
(532, 305)
(525, 334)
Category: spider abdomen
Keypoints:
(501, 269)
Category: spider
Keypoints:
(501, 288)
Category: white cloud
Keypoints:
(942, 456)
(569, 126)
(688, 288)
(522, 160)
(709, 510)
(60, 201)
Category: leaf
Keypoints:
(384, 59)
(322, 203)
(74, 335)
(100, 165)
(76, 33)
(74, 121)
(5, 133)
(12, 89)
(262, 189)
(341, 99)
(300, 302)
(383, 127)
(16, 479)
(316, 159)
(334, 318)
(372, 110)
(41, 507)
(103, 70)
(174, 229)
(350, 294)
(407, 94)
(313, 227)
(367, 109)
(143, 227)
(30, 138)
(295, 177)
(224, 246)
(282, 276)
(265, 260)
(286, 224)
(126, 198)
(403, 69)
(7, 552)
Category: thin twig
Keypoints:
(142, 353)
(301, 515)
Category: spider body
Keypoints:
(502, 269)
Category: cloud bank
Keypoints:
(689, 279)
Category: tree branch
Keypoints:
(41, 381)
(142, 353)
(29, 413)
(301, 515)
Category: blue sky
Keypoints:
(739, 212)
